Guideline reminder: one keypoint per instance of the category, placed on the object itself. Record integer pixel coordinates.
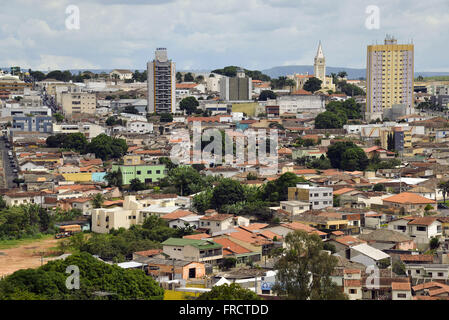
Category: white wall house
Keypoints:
(139, 127)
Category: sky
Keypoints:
(210, 34)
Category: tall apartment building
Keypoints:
(161, 83)
(317, 197)
(389, 77)
(77, 103)
(238, 88)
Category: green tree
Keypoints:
(188, 77)
(114, 178)
(37, 75)
(399, 268)
(229, 292)
(136, 185)
(304, 270)
(312, 85)
(346, 155)
(186, 180)
(203, 201)
(267, 94)
(166, 117)
(179, 77)
(434, 243)
(167, 162)
(48, 282)
(277, 190)
(75, 141)
(444, 187)
(58, 117)
(226, 193)
(199, 79)
(97, 200)
(330, 120)
(342, 74)
(106, 147)
(189, 104)
(379, 187)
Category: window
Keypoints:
(417, 271)
(158, 171)
(352, 291)
(316, 203)
(421, 228)
(402, 295)
(440, 274)
(138, 172)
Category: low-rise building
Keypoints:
(193, 250)
(317, 197)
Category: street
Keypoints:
(6, 164)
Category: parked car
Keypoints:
(442, 206)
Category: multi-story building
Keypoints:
(317, 197)
(34, 123)
(402, 137)
(193, 250)
(13, 85)
(238, 88)
(145, 173)
(161, 83)
(24, 111)
(389, 76)
(136, 126)
(105, 219)
(77, 103)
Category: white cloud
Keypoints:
(214, 33)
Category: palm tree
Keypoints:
(444, 187)
(97, 200)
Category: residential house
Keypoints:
(317, 197)
(401, 291)
(388, 239)
(409, 202)
(193, 250)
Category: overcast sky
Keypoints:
(208, 34)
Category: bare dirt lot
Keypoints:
(25, 256)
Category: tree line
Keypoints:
(103, 146)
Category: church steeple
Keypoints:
(319, 53)
(319, 66)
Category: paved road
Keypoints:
(9, 174)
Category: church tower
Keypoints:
(319, 67)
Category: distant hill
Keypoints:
(353, 73)
(274, 72)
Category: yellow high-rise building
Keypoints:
(389, 77)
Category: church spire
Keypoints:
(319, 53)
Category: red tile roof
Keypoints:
(416, 257)
(197, 236)
(401, 286)
(349, 241)
(177, 214)
(217, 217)
(230, 247)
(408, 197)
